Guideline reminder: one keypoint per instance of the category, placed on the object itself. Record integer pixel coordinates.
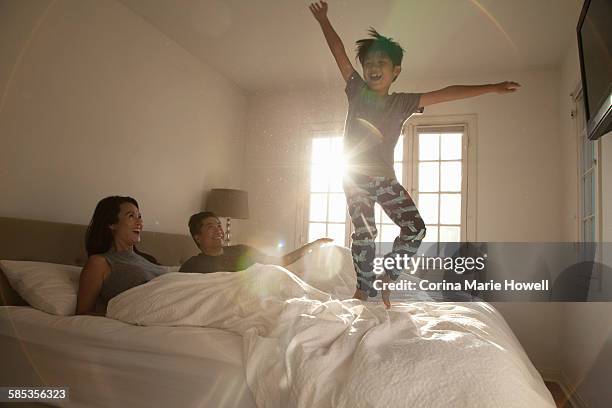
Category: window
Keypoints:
(588, 171)
(430, 161)
(439, 181)
(327, 214)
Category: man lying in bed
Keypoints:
(207, 233)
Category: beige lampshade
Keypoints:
(230, 203)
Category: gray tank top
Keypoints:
(128, 269)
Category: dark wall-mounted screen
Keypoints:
(596, 35)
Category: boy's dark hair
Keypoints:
(195, 222)
(380, 43)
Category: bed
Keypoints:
(108, 362)
(105, 362)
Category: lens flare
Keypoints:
(495, 22)
(19, 58)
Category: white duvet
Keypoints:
(305, 348)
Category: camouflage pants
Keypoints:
(361, 194)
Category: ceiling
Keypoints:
(266, 45)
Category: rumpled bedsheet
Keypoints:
(307, 347)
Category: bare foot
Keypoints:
(386, 293)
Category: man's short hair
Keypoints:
(195, 223)
(378, 42)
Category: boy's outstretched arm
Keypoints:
(454, 92)
(319, 11)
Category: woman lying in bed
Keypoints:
(114, 264)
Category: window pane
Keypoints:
(336, 165)
(316, 231)
(337, 208)
(582, 195)
(451, 146)
(320, 150)
(429, 144)
(399, 172)
(428, 177)
(450, 176)
(593, 188)
(327, 200)
(398, 153)
(432, 234)
(587, 195)
(449, 234)
(428, 208)
(587, 230)
(318, 207)
(318, 178)
(382, 216)
(590, 154)
(336, 232)
(336, 172)
(335, 147)
(388, 233)
(585, 151)
(450, 209)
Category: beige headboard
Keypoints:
(32, 240)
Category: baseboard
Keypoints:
(574, 397)
(550, 374)
(555, 375)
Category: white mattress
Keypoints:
(107, 363)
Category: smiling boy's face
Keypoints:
(379, 71)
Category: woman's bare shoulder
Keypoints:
(97, 264)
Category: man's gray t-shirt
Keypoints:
(234, 258)
(373, 125)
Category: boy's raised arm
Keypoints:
(454, 92)
(319, 11)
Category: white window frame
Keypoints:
(410, 160)
(308, 132)
(469, 179)
(580, 132)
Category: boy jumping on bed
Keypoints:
(373, 125)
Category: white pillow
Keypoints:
(49, 287)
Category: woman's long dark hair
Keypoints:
(99, 237)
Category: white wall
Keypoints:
(273, 153)
(570, 80)
(96, 101)
(586, 327)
